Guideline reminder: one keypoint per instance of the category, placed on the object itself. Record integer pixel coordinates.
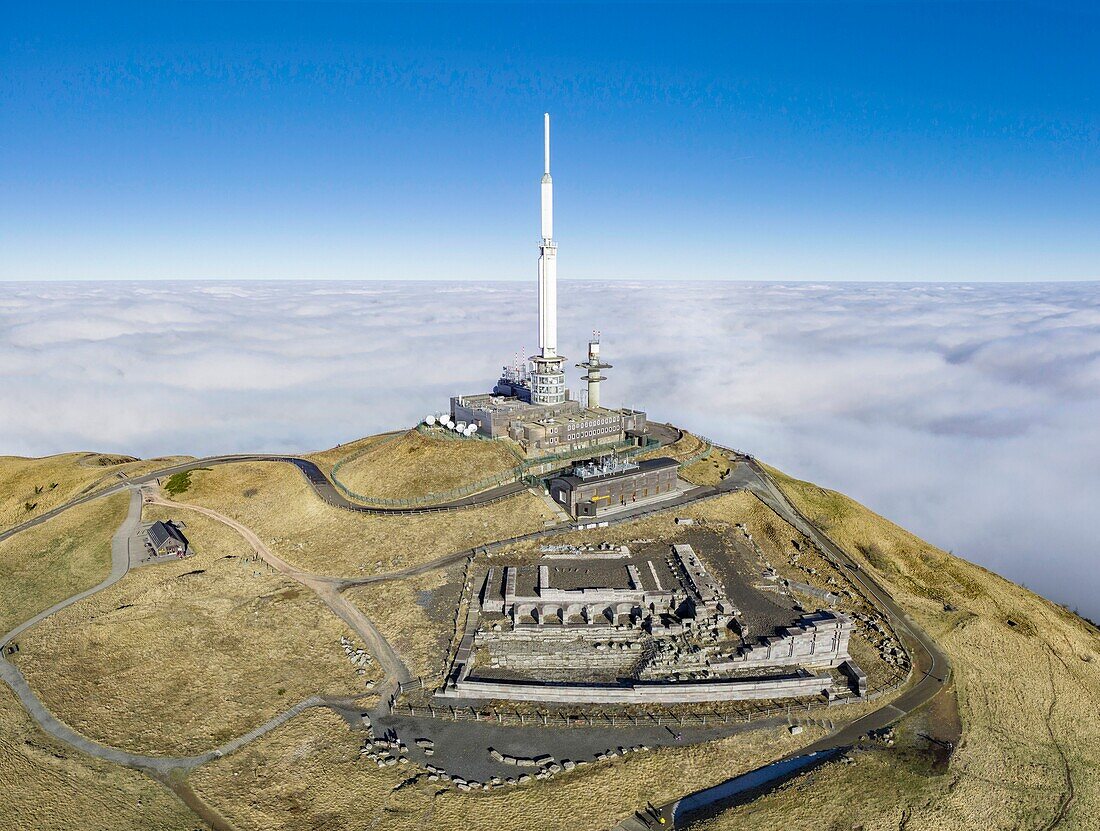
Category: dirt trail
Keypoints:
(324, 588)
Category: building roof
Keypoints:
(645, 466)
(161, 533)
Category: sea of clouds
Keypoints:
(967, 413)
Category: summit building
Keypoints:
(531, 403)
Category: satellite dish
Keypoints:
(429, 420)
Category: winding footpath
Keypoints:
(321, 485)
(120, 563)
(930, 665)
(171, 770)
(323, 587)
(13, 677)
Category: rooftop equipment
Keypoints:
(603, 467)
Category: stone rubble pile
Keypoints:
(384, 752)
(545, 765)
(359, 658)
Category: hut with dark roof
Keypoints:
(166, 538)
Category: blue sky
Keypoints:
(789, 141)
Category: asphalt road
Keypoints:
(320, 483)
(931, 666)
(120, 564)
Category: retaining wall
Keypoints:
(680, 693)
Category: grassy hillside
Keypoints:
(325, 459)
(1027, 676)
(682, 449)
(709, 470)
(48, 786)
(416, 464)
(276, 502)
(52, 561)
(243, 643)
(181, 656)
(29, 487)
(416, 615)
(307, 774)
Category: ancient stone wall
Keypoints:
(672, 693)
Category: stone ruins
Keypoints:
(620, 627)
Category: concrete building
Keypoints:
(532, 405)
(594, 488)
(542, 430)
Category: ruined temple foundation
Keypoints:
(800, 686)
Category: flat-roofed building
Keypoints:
(594, 488)
(547, 428)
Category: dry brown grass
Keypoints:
(57, 559)
(325, 459)
(416, 464)
(1028, 697)
(59, 479)
(182, 656)
(710, 470)
(769, 530)
(295, 524)
(48, 786)
(416, 615)
(683, 448)
(307, 774)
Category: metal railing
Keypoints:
(526, 468)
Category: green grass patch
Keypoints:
(180, 482)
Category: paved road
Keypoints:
(120, 564)
(931, 666)
(10, 674)
(463, 747)
(320, 483)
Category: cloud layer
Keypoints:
(967, 413)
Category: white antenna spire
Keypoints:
(547, 376)
(548, 269)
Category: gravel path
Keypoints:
(377, 645)
(120, 564)
(928, 660)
